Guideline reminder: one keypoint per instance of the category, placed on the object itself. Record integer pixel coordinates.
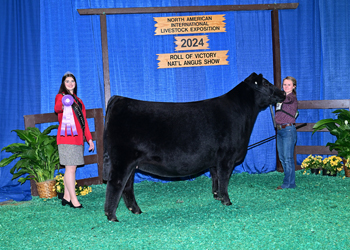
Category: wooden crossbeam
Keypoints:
(179, 9)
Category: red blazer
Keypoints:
(73, 140)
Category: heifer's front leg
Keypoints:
(224, 173)
(223, 193)
(129, 196)
(214, 180)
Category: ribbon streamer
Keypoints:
(68, 117)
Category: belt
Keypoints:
(282, 126)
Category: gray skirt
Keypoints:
(71, 155)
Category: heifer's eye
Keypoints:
(256, 83)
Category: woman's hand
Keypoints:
(92, 145)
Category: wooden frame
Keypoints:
(318, 104)
(97, 114)
(214, 8)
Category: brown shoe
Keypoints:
(278, 188)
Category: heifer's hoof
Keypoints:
(218, 197)
(114, 219)
(135, 210)
(111, 217)
(226, 203)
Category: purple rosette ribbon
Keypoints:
(68, 117)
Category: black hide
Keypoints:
(180, 139)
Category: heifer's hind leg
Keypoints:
(113, 194)
(214, 180)
(115, 187)
(129, 196)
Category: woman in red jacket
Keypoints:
(70, 135)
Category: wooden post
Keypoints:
(106, 79)
(276, 53)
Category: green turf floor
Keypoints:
(184, 215)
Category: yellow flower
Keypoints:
(333, 164)
(83, 190)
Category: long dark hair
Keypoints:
(63, 88)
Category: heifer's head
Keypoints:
(265, 92)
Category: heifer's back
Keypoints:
(181, 139)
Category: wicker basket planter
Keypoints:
(46, 189)
(346, 170)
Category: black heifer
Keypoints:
(180, 139)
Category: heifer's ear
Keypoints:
(251, 78)
(259, 78)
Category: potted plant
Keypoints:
(340, 128)
(312, 163)
(332, 165)
(38, 159)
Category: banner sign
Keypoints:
(192, 59)
(189, 24)
(191, 42)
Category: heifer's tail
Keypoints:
(106, 166)
(106, 158)
(109, 106)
